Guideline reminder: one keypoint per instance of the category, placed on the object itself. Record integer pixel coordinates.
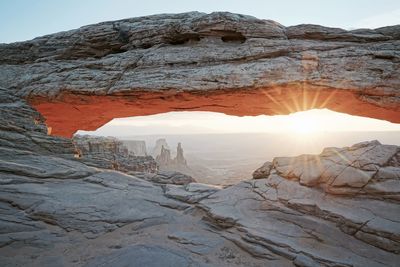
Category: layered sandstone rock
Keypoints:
(164, 158)
(138, 147)
(190, 193)
(263, 171)
(57, 211)
(236, 64)
(111, 153)
(160, 144)
(165, 177)
(367, 168)
(295, 209)
(176, 166)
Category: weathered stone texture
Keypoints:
(111, 153)
(222, 62)
(339, 208)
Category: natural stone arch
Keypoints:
(223, 62)
(52, 198)
(74, 112)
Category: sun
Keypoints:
(303, 124)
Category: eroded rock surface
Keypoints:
(137, 146)
(299, 210)
(111, 153)
(55, 210)
(190, 193)
(236, 64)
(367, 168)
(166, 177)
(263, 171)
(340, 208)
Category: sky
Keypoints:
(25, 19)
(305, 123)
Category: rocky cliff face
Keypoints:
(180, 159)
(164, 158)
(160, 144)
(236, 64)
(111, 153)
(136, 146)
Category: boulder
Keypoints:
(364, 168)
(263, 171)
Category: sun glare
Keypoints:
(301, 124)
(304, 125)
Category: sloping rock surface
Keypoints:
(165, 177)
(296, 210)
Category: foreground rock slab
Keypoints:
(300, 211)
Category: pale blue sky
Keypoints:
(25, 19)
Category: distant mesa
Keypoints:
(164, 158)
(111, 153)
(138, 147)
(160, 143)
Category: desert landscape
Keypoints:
(226, 159)
(69, 198)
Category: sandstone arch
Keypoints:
(54, 206)
(236, 64)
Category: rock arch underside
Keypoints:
(338, 208)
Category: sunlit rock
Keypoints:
(359, 169)
(263, 171)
